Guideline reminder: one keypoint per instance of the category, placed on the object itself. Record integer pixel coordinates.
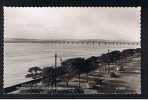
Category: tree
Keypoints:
(66, 78)
(115, 55)
(48, 75)
(76, 66)
(34, 73)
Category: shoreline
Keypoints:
(13, 77)
(93, 58)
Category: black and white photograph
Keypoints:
(72, 50)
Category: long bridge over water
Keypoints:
(93, 42)
(70, 41)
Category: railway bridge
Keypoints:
(94, 42)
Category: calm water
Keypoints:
(19, 57)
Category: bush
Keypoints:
(127, 52)
(138, 50)
(34, 73)
(110, 57)
(114, 56)
(92, 59)
(78, 63)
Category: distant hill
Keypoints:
(20, 40)
(23, 40)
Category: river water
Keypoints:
(19, 57)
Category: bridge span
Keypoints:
(94, 42)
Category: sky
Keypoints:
(72, 23)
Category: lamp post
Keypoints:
(108, 69)
(55, 71)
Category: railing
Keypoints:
(15, 87)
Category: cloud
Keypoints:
(73, 23)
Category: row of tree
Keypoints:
(68, 69)
(74, 67)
